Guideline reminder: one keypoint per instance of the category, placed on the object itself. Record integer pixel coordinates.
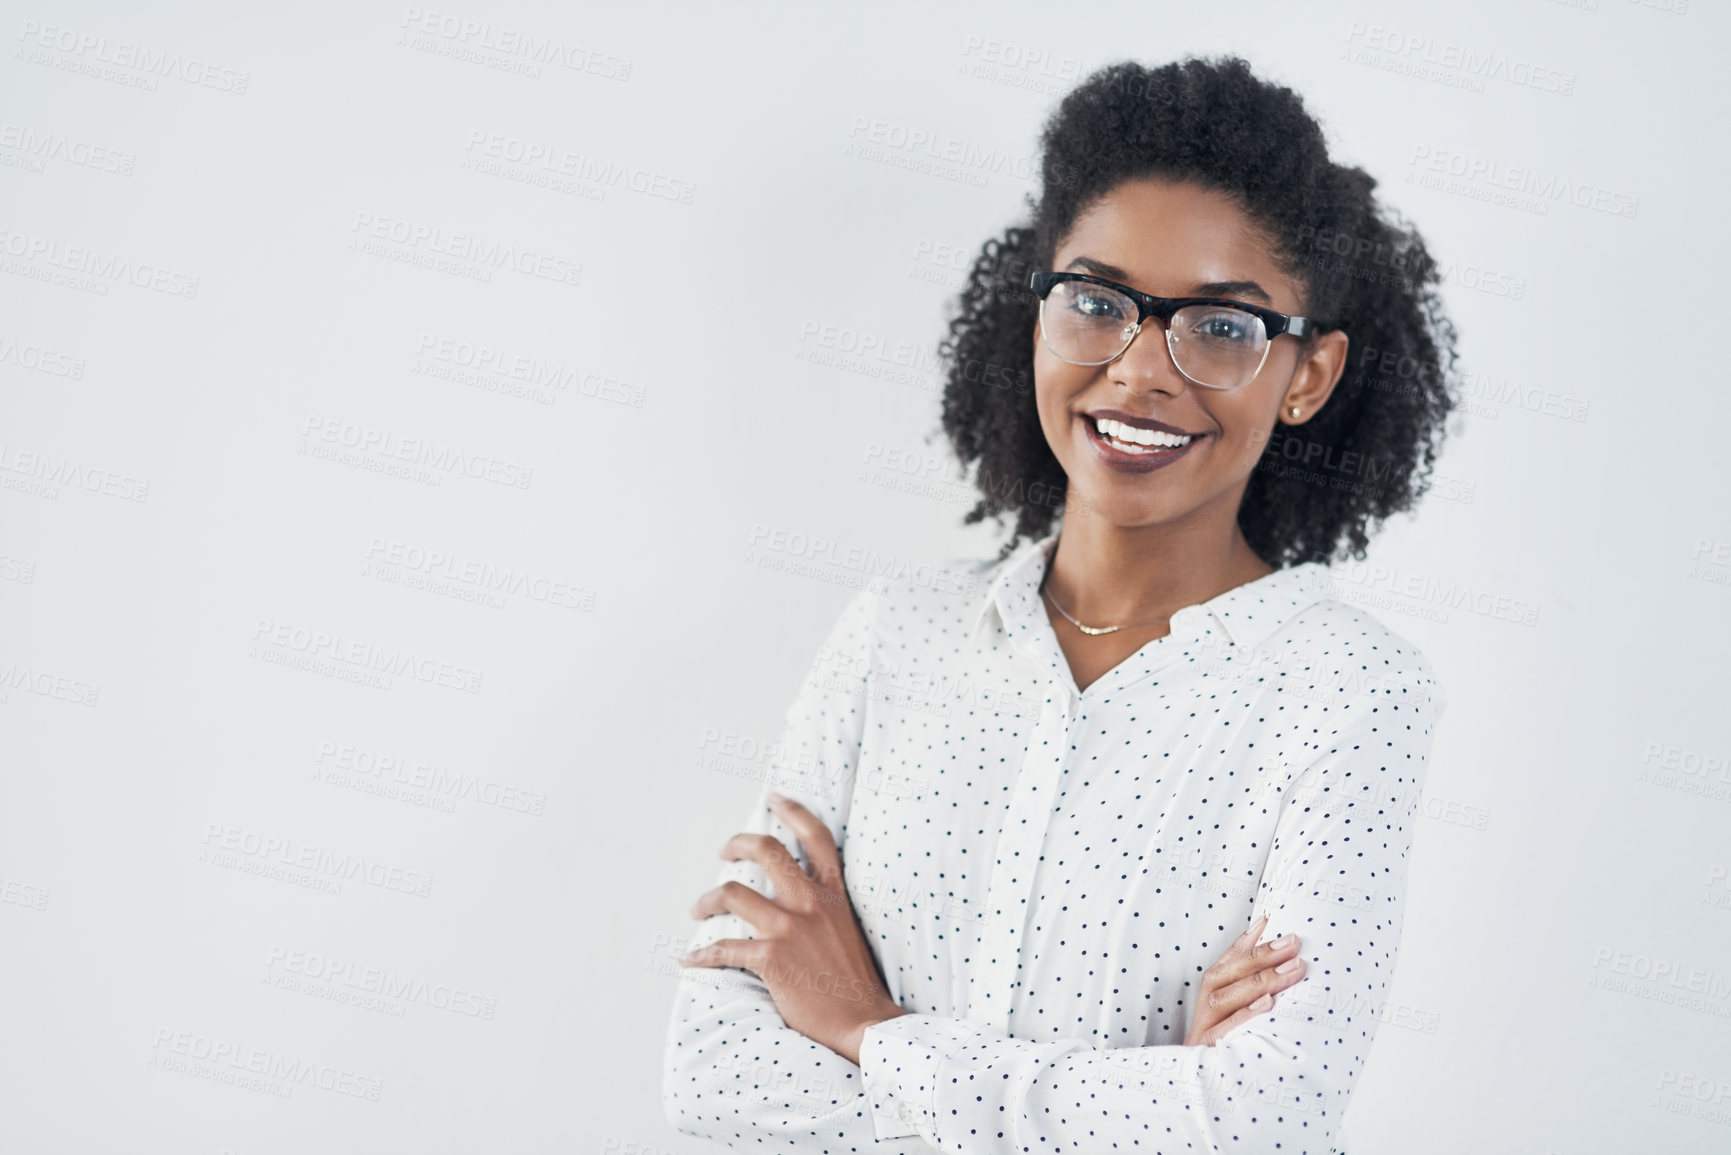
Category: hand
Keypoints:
(1242, 984)
(809, 949)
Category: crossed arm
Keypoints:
(806, 1053)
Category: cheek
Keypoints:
(1048, 392)
(1246, 431)
(1053, 393)
(1051, 419)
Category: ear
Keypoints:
(1319, 369)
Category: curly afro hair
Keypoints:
(1212, 122)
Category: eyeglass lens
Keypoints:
(1211, 344)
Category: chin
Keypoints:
(1125, 510)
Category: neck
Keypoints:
(1106, 574)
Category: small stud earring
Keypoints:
(1294, 411)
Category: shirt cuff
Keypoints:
(898, 1062)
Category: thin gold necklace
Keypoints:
(1091, 629)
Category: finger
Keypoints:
(785, 873)
(1215, 1033)
(814, 835)
(1242, 946)
(1251, 933)
(1242, 961)
(726, 952)
(738, 898)
(1244, 992)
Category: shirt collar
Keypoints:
(1248, 613)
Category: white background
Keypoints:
(1568, 890)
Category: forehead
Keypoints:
(1171, 236)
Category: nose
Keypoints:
(1146, 364)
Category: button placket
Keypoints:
(1020, 844)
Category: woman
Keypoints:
(1074, 790)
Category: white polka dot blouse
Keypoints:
(1044, 874)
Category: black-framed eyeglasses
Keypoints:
(1215, 342)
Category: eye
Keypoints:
(1093, 303)
(1228, 326)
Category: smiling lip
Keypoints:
(1140, 422)
(1123, 461)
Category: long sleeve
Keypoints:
(1335, 875)
(733, 1071)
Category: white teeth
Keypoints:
(1132, 436)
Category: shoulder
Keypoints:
(1351, 654)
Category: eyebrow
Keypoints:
(1210, 289)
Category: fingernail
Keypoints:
(1282, 942)
(1288, 966)
(775, 799)
(1263, 1003)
